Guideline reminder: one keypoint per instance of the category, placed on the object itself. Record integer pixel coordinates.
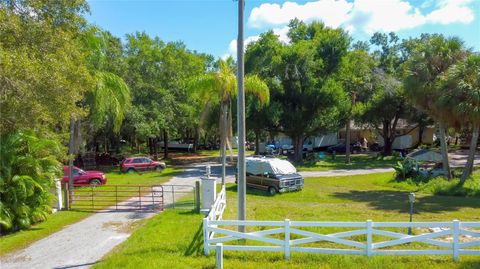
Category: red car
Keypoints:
(139, 164)
(84, 177)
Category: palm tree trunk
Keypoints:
(471, 155)
(223, 140)
(228, 125)
(347, 141)
(443, 144)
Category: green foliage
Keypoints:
(405, 169)
(42, 68)
(28, 169)
(461, 89)
(309, 99)
(441, 186)
(430, 57)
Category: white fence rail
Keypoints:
(447, 238)
(215, 214)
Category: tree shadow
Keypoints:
(195, 246)
(398, 201)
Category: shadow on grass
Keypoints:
(398, 201)
(196, 245)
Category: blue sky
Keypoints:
(211, 26)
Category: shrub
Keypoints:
(405, 169)
(27, 172)
(441, 186)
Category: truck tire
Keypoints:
(158, 168)
(272, 190)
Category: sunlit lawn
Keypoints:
(173, 239)
(358, 161)
(57, 221)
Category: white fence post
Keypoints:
(456, 239)
(219, 256)
(58, 186)
(287, 239)
(369, 238)
(205, 236)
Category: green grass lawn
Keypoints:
(173, 239)
(358, 161)
(55, 222)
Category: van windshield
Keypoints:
(282, 167)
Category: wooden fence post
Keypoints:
(287, 239)
(66, 194)
(456, 239)
(219, 256)
(197, 196)
(369, 238)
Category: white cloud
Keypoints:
(363, 15)
(387, 15)
(232, 47)
(356, 15)
(451, 11)
(332, 12)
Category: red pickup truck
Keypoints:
(84, 177)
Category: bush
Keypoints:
(27, 172)
(405, 169)
(441, 186)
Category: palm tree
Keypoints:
(108, 99)
(219, 88)
(356, 75)
(28, 167)
(462, 86)
(431, 57)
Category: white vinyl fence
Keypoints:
(447, 238)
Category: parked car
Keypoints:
(84, 177)
(139, 164)
(272, 174)
(342, 148)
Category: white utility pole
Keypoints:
(241, 120)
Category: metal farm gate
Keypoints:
(115, 197)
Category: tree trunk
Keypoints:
(155, 147)
(228, 126)
(196, 136)
(347, 141)
(387, 144)
(471, 155)
(257, 142)
(71, 156)
(443, 144)
(421, 129)
(298, 158)
(165, 144)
